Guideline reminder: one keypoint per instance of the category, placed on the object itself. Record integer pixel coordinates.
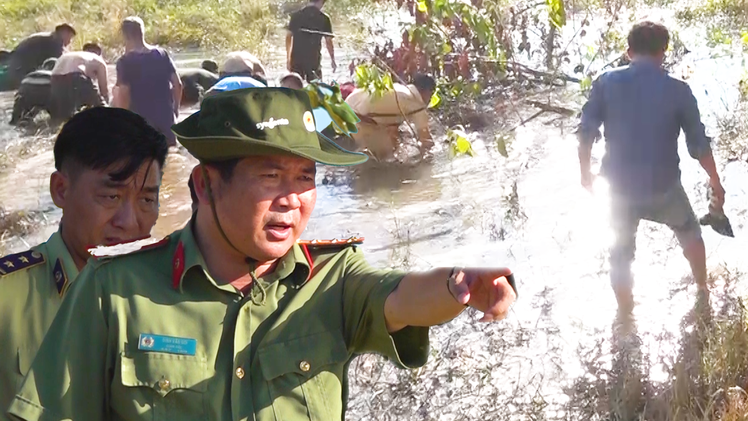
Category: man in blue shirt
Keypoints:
(643, 110)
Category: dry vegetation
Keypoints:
(177, 23)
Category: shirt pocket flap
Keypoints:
(306, 356)
(25, 358)
(164, 372)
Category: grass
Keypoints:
(706, 379)
(205, 24)
(732, 14)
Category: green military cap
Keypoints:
(259, 121)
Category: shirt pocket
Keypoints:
(25, 358)
(304, 376)
(168, 386)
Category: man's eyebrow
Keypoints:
(271, 165)
(150, 189)
(114, 184)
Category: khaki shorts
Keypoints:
(671, 208)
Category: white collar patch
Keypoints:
(272, 123)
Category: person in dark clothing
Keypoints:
(32, 51)
(306, 29)
(196, 82)
(147, 80)
(33, 94)
(643, 110)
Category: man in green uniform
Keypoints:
(233, 318)
(108, 165)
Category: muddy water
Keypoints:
(468, 212)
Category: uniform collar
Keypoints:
(64, 269)
(296, 264)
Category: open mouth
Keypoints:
(279, 231)
(111, 241)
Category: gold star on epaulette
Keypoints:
(18, 261)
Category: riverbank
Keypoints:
(208, 25)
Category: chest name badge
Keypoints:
(167, 344)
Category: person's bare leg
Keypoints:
(695, 252)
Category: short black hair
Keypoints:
(92, 47)
(424, 82)
(648, 38)
(209, 65)
(225, 167)
(99, 137)
(65, 27)
(133, 27)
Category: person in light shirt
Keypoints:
(381, 116)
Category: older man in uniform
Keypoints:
(108, 174)
(232, 318)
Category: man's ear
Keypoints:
(201, 176)
(59, 188)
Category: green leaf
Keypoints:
(501, 144)
(586, 84)
(744, 37)
(422, 6)
(556, 12)
(459, 144)
(446, 48)
(435, 100)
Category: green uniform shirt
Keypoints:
(151, 336)
(33, 284)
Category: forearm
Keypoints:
(104, 90)
(176, 92)
(707, 162)
(330, 48)
(585, 156)
(421, 299)
(121, 98)
(289, 45)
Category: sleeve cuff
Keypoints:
(408, 347)
(22, 409)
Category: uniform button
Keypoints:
(240, 373)
(304, 366)
(164, 384)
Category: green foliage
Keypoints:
(207, 24)
(436, 100)
(502, 144)
(343, 117)
(717, 37)
(730, 14)
(373, 79)
(586, 85)
(556, 12)
(458, 142)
